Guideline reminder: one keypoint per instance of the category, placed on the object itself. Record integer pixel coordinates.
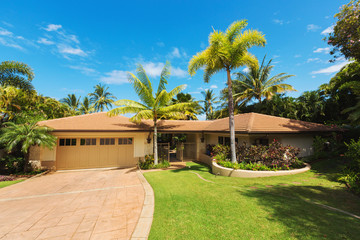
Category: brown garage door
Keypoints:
(83, 153)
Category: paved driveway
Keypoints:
(100, 204)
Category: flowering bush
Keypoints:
(259, 157)
(6, 178)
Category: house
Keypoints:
(99, 141)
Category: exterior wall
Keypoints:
(212, 138)
(304, 142)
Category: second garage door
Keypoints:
(83, 153)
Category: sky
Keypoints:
(74, 45)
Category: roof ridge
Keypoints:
(76, 116)
(250, 122)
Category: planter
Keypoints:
(229, 172)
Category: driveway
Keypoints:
(97, 204)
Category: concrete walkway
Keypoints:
(98, 204)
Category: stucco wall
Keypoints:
(304, 142)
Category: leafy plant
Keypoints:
(13, 164)
(6, 178)
(148, 163)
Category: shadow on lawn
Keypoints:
(305, 220)
(329, 168)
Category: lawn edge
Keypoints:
(143, 226)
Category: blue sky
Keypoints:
(73, 45)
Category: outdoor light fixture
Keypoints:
(202, 139)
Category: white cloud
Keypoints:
(313, 60)
(194, 92)
(160, 44)
(45, 41)
(84, 70)
(327, 30)
(322, 50)
(10, 44)
(332, 69)
(4, 32)
(214, 86)
(7, 24)
(178, 72)
(312, 27)
(297, 56)
(176, 53)
(153, 69)
(278, 21)
(115, 77)
(68, 50)
(246, 70)
(52, 27)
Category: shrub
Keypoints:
(149, 163)
(13, 164)
(351, 174)
(221, 149)
(6, 178)
(254, 166)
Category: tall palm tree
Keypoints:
(24, 136)
(258, 84)
(72, 101)
(153, 105)
(228, 51)
(186, 97)
(209, 102)
(101, 98)
(86, 107)
(16, 74)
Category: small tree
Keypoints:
(154, 106)
(25, 136)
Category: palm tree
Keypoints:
(72, 101)
(228, 51)
(101, 98)
(16, 74)
(258, 84)
(152, 105)
(86, 107)
(8, 104)
(24, 136)
(209, 101)
(186, 97)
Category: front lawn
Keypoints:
(187, 207)
(8, 183)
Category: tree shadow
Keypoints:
(329, 169)
(305, 220)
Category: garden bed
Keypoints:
(230, 172)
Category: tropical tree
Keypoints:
(71, 101)
(209, 102)
(86, 107)
(16, 74)
(227, 51)
(101, 98)
(186, 97)
(311, 106)
(25, 136)
(345, 37)
(153, 105)
(257, 83)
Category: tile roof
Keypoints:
(244, 123)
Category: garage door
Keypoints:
(83, 153)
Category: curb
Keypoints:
(39, 175)
(143, 225)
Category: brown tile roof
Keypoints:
(244, 123)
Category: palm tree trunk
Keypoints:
(155, 143)
(231, 118)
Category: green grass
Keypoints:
(8, 183)
(187, 207)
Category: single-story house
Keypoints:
(99, 141)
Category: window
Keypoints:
(67, 142)
(125, 141)
(87, 141)
(107, 141)
(226, 140)
(262, 141)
